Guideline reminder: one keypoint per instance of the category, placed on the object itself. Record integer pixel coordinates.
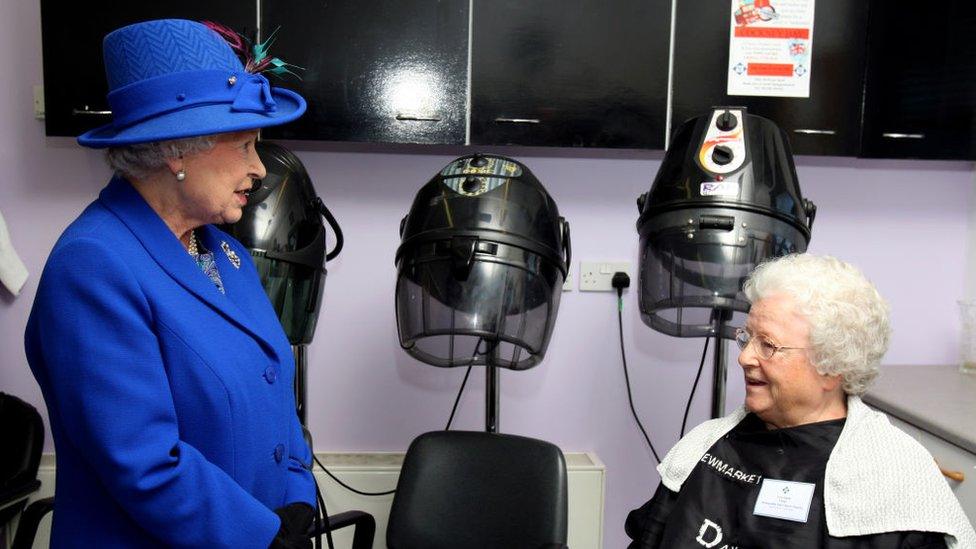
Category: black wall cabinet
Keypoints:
(376, 70)
(893, 81)
(72, 33)
(920, 98)
(579, 73)
(826, 123)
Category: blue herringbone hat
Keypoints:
(171, 78)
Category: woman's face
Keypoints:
(785, 390)
(217, 180)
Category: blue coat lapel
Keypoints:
(167, 251)
(242, 285)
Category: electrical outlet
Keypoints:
(596, 276)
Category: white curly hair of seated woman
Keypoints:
(141, 160)
(849, 326)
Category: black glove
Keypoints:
(296, 519)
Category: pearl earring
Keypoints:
(180, 175)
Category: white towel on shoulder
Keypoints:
(878, 479)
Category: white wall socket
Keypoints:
(595, 276)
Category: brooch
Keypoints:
(231, 255)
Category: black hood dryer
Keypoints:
(480, 269)
(725, 198)
(282, 228)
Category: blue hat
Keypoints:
(172, 78)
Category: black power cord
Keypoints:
(321, 516)
(457, 399)
(346, 486)
(463, 383)
(620, 281)
(691, 397)
(388, 492)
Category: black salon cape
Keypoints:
(714, 508)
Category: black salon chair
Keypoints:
(30, 520)
(479, 490)
(22, 438)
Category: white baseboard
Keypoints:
(378, 472)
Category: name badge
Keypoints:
(784, 499)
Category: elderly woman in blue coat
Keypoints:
(804, 463)
(167, 377)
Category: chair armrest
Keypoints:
(363, 522)
(29, 521)
(17, 493)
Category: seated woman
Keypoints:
(804, 463)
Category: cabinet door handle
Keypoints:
(807, 131)
(518, 120)
(419, 117)
(88, 112)
(904, 135)
(957, 476)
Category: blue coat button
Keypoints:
(270, 374)
(279, 452)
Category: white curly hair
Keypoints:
(849, 326)
(142, 159)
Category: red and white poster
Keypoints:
(770, 47)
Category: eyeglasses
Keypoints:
(765, 348)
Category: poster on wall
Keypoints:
(770, 47)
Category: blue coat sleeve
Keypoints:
(106, 374)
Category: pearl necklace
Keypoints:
(191, 247)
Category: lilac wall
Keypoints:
(904, 223)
